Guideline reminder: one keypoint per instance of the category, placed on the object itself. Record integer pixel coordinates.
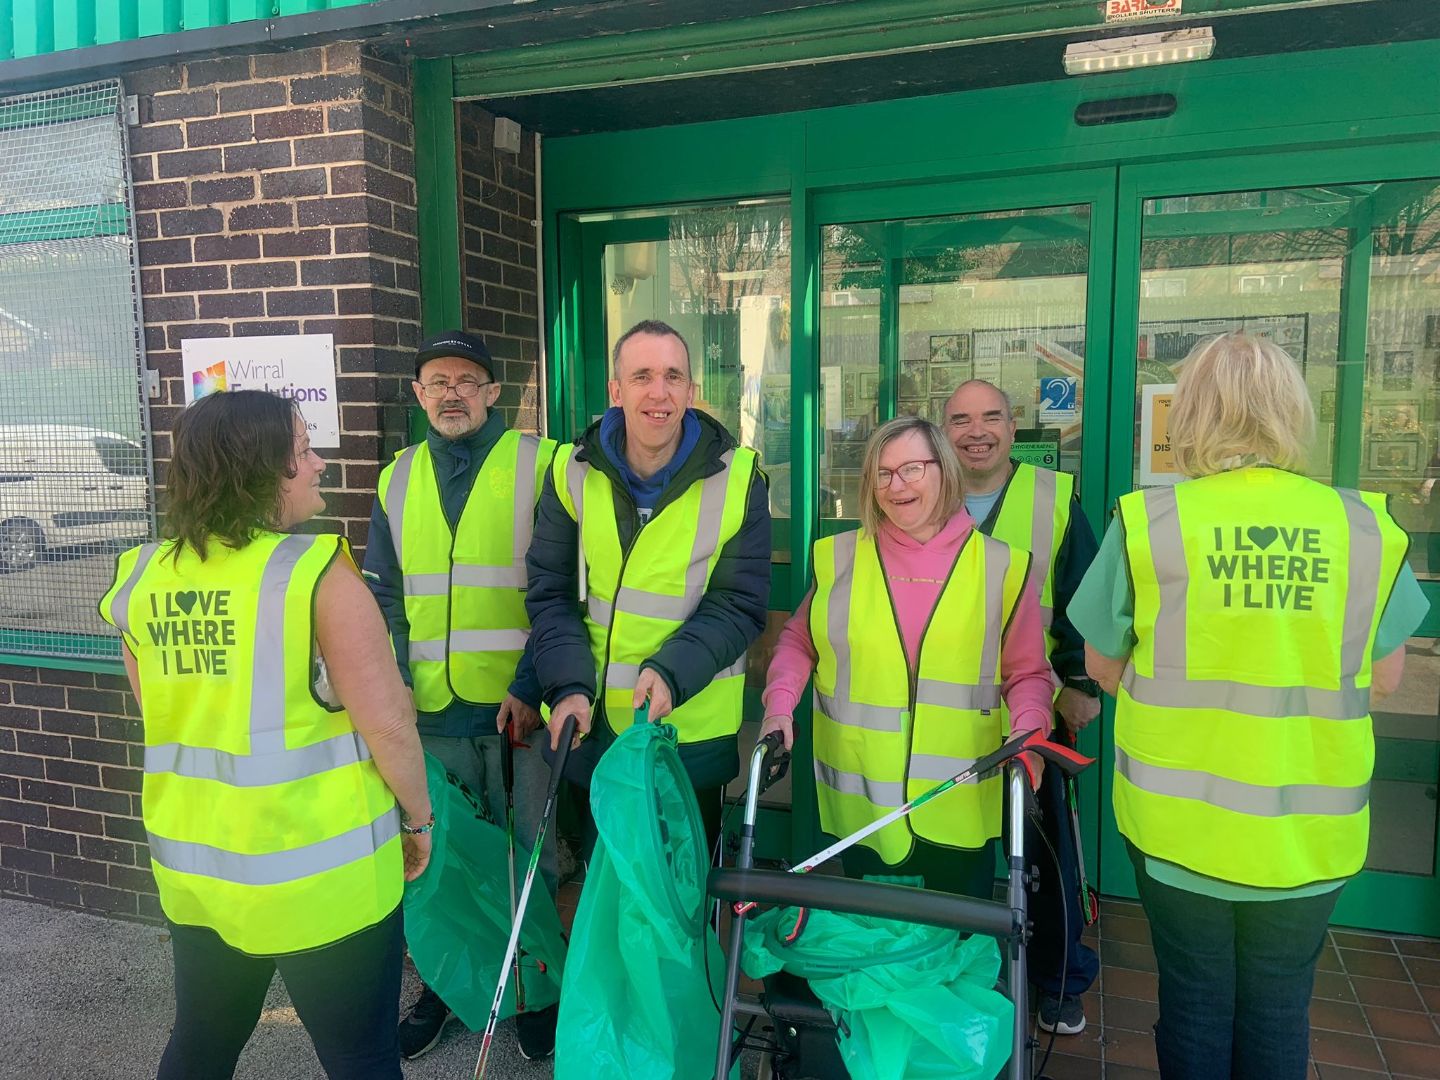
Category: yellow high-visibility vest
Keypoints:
(266, 817)
(1243, 745)
(634, 600)
(465, 591)
(881, 739)
(1034, 514)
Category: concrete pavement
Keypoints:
(88, 998)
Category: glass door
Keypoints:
(1345, 276)
(921, 289)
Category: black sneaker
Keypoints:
(423, 1025)
(535, 1031)
(1060, 1014)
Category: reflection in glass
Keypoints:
(912, 309)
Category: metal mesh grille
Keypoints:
(75, 467)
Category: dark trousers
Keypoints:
(346, 994)
(1056, 917)
(1235, 980)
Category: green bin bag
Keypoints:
(643, 962)
(919, 1001)
(457, 913)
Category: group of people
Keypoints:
(1241, 620)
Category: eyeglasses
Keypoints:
(466, 388)
(911, 472)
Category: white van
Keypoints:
(63, 485)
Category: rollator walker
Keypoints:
(804, 1043)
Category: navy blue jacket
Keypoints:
(729, 617)
(457, 464)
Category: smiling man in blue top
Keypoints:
(445, 559)
(650, 568)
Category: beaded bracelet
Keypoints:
(417, 830)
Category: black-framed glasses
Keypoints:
(465, 388)
(911, 472)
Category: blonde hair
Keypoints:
(1240, 400)
(952, 486)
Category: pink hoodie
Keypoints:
(917, 572)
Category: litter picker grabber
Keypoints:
(557, 770)
(507, 772)
(1066, 760)
(1089, 898)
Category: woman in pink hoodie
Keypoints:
(914, 629)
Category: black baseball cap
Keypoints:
(454, 343)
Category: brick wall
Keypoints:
(274, 195)
(497, 209)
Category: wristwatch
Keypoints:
(1084, 684)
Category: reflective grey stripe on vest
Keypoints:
(1042, 534)
(276, 867)
(1367, 551)
(469, 575)
(120, 606)
(997, 564)
(938, 767)
(526, 455)
(428, 650)
(257, 770)
(395, 499)
(624, 676)
(957, 695)
(869, 717)
(879, 792)
(1272, 702)
(427, 584)
(1170, 687)
(479, 641)
(1242, 798)
(267, 678)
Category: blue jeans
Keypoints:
(1235, 980)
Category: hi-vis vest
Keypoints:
(465, 592)
(267, 820)
(881, 739)
(1243, 746)
(1034, 514)
(634, 600)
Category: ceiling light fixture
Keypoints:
(1139, 50)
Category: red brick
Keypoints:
(288, 124)
(228, 189)
(222, 132)
(183, 105)
(268, 215)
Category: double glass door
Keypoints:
(1079, 294)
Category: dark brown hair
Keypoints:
(231, 451)
(653, 327)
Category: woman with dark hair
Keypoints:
(278, 739)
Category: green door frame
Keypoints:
(1359, 104)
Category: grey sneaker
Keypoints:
(1060, 1014)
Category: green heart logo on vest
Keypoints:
(186, 600)
(1262, 538)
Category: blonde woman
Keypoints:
(1242, 618)
(915, 629)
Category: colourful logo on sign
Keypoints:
(210, 380)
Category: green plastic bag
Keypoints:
(919, 1001)
(457, 913)
(643, 961)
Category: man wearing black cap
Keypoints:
(451, 524)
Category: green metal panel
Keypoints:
(437, 183)
(37, 27)
(776, 39)
(63, 223)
